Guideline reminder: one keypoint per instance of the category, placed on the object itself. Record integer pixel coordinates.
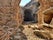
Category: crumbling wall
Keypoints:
(10, 18)
(45, 12)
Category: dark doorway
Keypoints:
(28, 16)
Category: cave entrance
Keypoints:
(28, 15)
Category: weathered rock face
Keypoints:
(10, 18)
(45, 13)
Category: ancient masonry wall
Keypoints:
(44, 6)
(10, 18)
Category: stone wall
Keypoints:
(45, 13)
(10, 18)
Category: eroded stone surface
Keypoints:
(45, 13)
(10, 18)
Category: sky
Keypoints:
(24, 2)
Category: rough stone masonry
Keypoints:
(10, 18)
(45, 12)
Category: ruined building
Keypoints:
(30, 10)
(11, 17)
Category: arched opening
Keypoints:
(48, 18)
(28, 16)
(48, 15)
(30, 10)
